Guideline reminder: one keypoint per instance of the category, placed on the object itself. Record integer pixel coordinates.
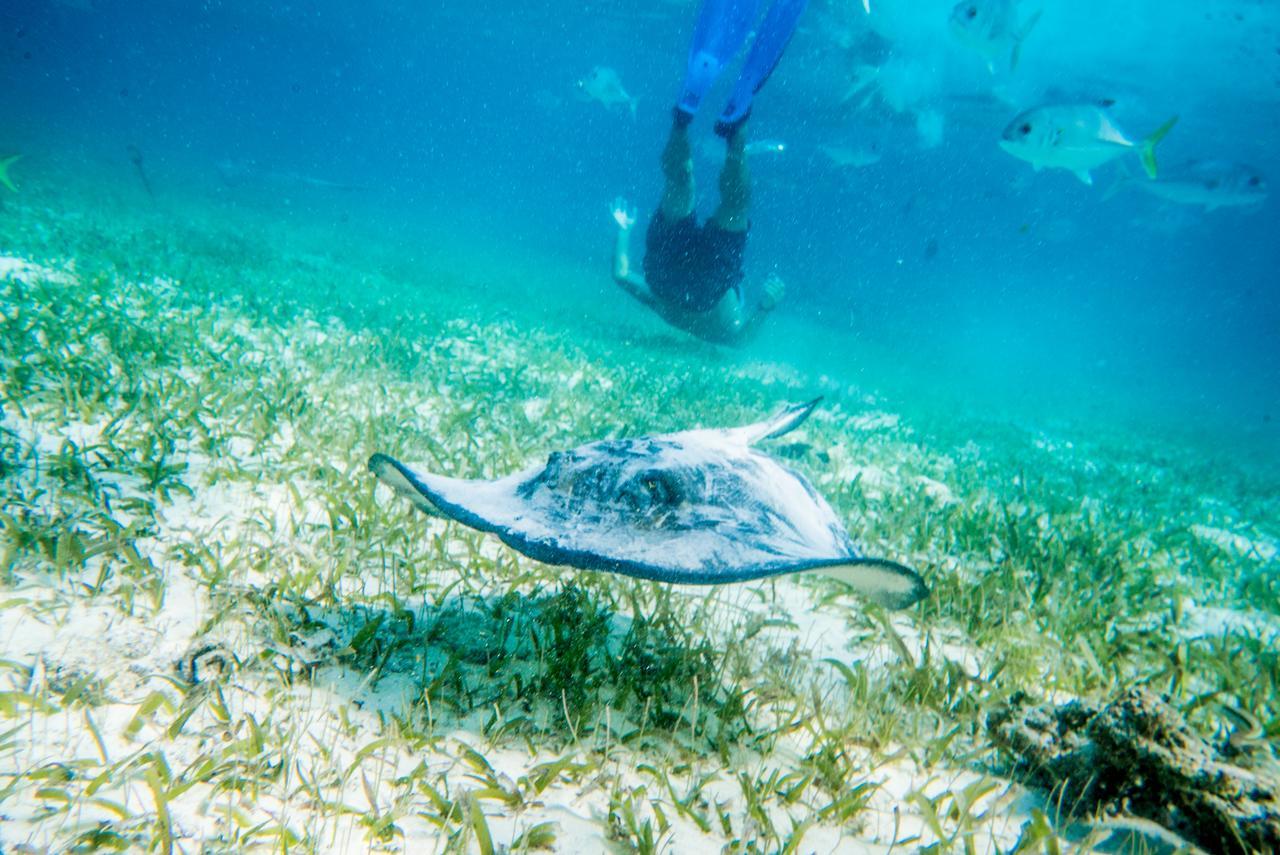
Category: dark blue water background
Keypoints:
(970, 271)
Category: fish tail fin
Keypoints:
(5, 163)
(1021, 37)
(1124, 180)
(1147, 149)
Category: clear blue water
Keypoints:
(178, 488)
(974, 275)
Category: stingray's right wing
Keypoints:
(886, 583)
(398, 477)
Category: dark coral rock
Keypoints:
(1138, 755)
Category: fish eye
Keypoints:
(1255, 181)
(971, 12)
(1024, 128)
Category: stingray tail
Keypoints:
(784, 422)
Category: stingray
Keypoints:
(700, 507)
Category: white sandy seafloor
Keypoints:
(334, 728)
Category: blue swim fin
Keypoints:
(771, 40)
(722, 29)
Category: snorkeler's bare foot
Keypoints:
(774, 290)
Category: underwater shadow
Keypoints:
(558, 664)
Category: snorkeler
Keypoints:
(693, 273)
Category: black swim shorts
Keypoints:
(692, 266)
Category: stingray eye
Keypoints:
(657, 488)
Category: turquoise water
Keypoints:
(431, 122)
(248, 246)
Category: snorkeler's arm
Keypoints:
(628, 280)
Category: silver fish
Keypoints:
(1077, 138)
(991, 28)
(604, 86)
(843, 157)
(1211, 183)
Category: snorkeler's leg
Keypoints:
(771, 40)
(735, 184)
(722, 28)
(677, 170)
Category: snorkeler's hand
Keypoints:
(624, 217)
